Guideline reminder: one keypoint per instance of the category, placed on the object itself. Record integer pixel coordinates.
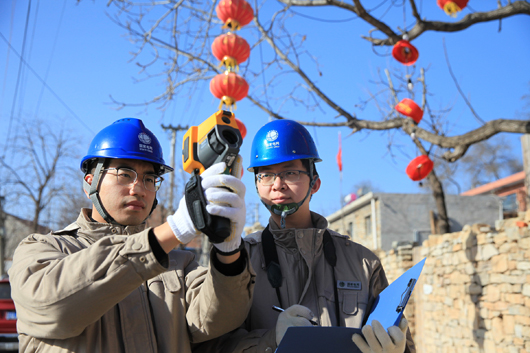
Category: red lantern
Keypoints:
(405, 53)
(229, 88)
(231, 50)
(452, 7)
(419, 168)
(234, 13)
(242, 128)
(409, 108)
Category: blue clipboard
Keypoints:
(388, 310)
(312, 339)
(391, 302)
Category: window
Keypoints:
(368, 225)
(509, 203)
(350, 229)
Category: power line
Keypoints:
(51, 57)
(46, 85)
(7, 59)
(19, 72)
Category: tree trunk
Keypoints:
(36, 217)
(442, 222)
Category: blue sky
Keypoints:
(85, 58)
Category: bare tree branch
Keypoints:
(302, 74)
(511, 9)
(458, 86)
(40, 154)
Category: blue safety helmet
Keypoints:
(126, 138)
(281, 141)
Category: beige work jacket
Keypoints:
(308, 281)
(96, 287)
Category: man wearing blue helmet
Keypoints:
(107, 283)
(299, 262)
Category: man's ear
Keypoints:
(316, 186)
(88, 179)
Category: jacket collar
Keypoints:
(97, 230)
(286, 237)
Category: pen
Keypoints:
(278, 309)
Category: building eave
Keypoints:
(496, 185)
(351, 207)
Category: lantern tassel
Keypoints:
(452, 9)
(232, 24)
(230, 63)
(229, 102)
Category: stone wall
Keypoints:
(396, 262)
(474, 291)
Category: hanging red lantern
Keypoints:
(452, 7)
(231, 50)
(405, 53)
(229, 88)
(419, 167)
(242, 128)
(234, 13)
(409, 108)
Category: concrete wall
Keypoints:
(474, 291)
(406, 216)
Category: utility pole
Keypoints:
(173, 130)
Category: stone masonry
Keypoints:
(474, 292)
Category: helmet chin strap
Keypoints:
(92, 190)
(288, 209)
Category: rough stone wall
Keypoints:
(396, 262)
(474, 291)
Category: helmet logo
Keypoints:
(272, 135)
(146, 141)
(144, 138)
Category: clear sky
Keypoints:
(85, 58)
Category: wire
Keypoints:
(263, 68)
(18, 75)
(46, 85)
(7, 59)
(51, 58)
(324, 20)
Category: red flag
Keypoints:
(339, 155)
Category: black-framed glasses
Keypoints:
(127, 177)
(288, 176)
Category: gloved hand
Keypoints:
(181, 223)
(225, 195)
(296, 315)
(220, 201)
(379, 341)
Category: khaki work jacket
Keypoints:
(96, 287)
(308, 281)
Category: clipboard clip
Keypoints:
(406, 295)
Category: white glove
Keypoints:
(379, 340)
(225, 196)
(220, 201)
(296, 315)
(181, 223)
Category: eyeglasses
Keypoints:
(288, 176)
(128, 177)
